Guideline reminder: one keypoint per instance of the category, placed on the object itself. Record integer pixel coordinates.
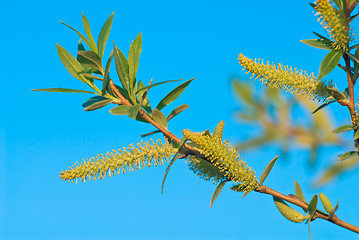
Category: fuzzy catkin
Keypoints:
(126, 159)
(291, 80)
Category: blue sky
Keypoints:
(41, 134)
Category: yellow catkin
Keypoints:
(225, 158)
(291, 80)
(288, 212)
(335, 22)
(126, 159)
(328, 206)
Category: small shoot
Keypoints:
(267, 170)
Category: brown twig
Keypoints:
(294, 200)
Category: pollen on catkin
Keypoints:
(335, 22)
(295, 81)
(225, 158)
(126, 159)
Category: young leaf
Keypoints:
(159, 118)
(150, 133)
(120, 110)
(71, 64)
(218, 131)
(356, 135)
(96, 103)
(91, 60)
(348, 155)
(103, 36)
(329, 62)
(92, 43)
(217, 191)
(328, 206)
(177, 111)
(321, 37)
(318, 43)
(107, 79)
(344, 128)
(170, 97)
(144, 101)
(81, 36)
(332, 212)
(181, 145)
(122, 68)
(80, 46)
(133, 59)
(336, 94)
(323, 106)
(312, 207)
(62, 90)
(267, 170)
(298, 192)
(156, 84)
(133, 111)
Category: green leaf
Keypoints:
(332, 212)
(107, 79)
(159, 118)
(217, 191)
(339, 3)
(71, 64)
(267, 170)
(156, 84)
(328, 206)
(122, 68)
(150, 133)
(298, 192)
(91, 60)
(344, 128)
(355, 59)
(170, 97)
(353, 17)
(218, 131)
(92, 43)
(329, 62)
(318, 43)
(181, 145)
(133, 59)
(133, 111)
(323, 106)
(177, 111)
(90, 76)
(321, 37)
(80, 46)
(103, 36)
(81, 36)
(62, 90)
(145, 102)
(312, 207)
(348, 155)
(120, 110)
(96, 103)
(356, 135)
(336, 94)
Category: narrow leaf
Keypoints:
(96, 103)
(62, 90)
(80, 46)
(312, 207)
(267, 170)
(181, 144)
(348, 155)
(120, 110)
(86, 24)
(170, 97)
(332, 212)
(107, 79)
(217, 191)
(103, 36)
(318, 43)
(218, 131)
(91, 60)
(159, 118)
(133, 59)
(150, 133)
(156, 84)
(344, 128)
(298, 192)
(133, 111)
(122, 68)
(321, 37)
(177, 111)
(323, 106)
(356, 135)
(71, 64)
(336, 94)
(81, 36)
(329, 62)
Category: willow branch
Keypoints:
(294, 200)
(144, 115)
